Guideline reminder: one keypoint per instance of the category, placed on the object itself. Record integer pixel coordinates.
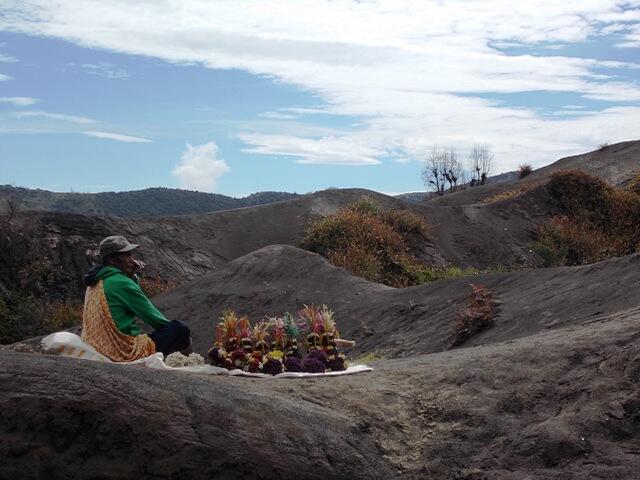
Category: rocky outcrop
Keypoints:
(63, 418)
(561, 403)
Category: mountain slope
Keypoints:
(407, 321)
(151, 201)
(615, 164)
(549, 392)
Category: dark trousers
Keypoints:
(171, 338)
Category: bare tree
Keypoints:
(432, 171)
(480, 163)
(442, 168)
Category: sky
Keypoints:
(240, 96)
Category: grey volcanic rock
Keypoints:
(560, 403)
(549, 392)
(64, 418)
(489, 234)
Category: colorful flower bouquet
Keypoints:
(271, 346)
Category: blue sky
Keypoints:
(237, 97)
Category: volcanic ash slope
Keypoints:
(549, 392)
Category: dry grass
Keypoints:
(514, 193)
(373, 243)
(477, 316)
(154, 286)
(524, 170)
(60, 315)
(598, 221)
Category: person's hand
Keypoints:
(139, 264)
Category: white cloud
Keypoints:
(19, 101)
(278, 116)
(632, 38)
(307, 110)
(200, 168)
(403, 160)
(411, 70)
(55, 116)
(117, 137)
(323, 151)
(6, 59)
(102, 69)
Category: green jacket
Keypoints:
(127, 301)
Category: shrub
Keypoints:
(366, 205)
(582, 196)
(404, 222)
(60, 315)
(524, 170)
(478, 315)
(565, 242)
(31, 282)
(597, 221)
(633, 185)
(351, 228)
(9, 332)
(625, 221)
(360, 242)
(374, 244)
(370, 242)
(358, 261)
(603, 146)
(29, 316)
(427, 273)
(155, 286)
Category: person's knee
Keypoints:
(183, 333)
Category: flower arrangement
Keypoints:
(271, 345)
(321, 338)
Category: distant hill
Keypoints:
(151, 201)
(413, 197)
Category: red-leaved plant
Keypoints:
(478, 315)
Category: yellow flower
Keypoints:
(276, 354)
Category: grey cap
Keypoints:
(115, 244)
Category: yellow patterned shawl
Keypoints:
(100, 331)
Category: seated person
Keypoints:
(114, 300)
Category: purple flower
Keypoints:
(337, 364)
(312, 365)
(272, 367)
(293, 364)
(318, 355)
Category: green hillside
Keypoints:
(151, 201)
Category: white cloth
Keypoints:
(71, 345)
